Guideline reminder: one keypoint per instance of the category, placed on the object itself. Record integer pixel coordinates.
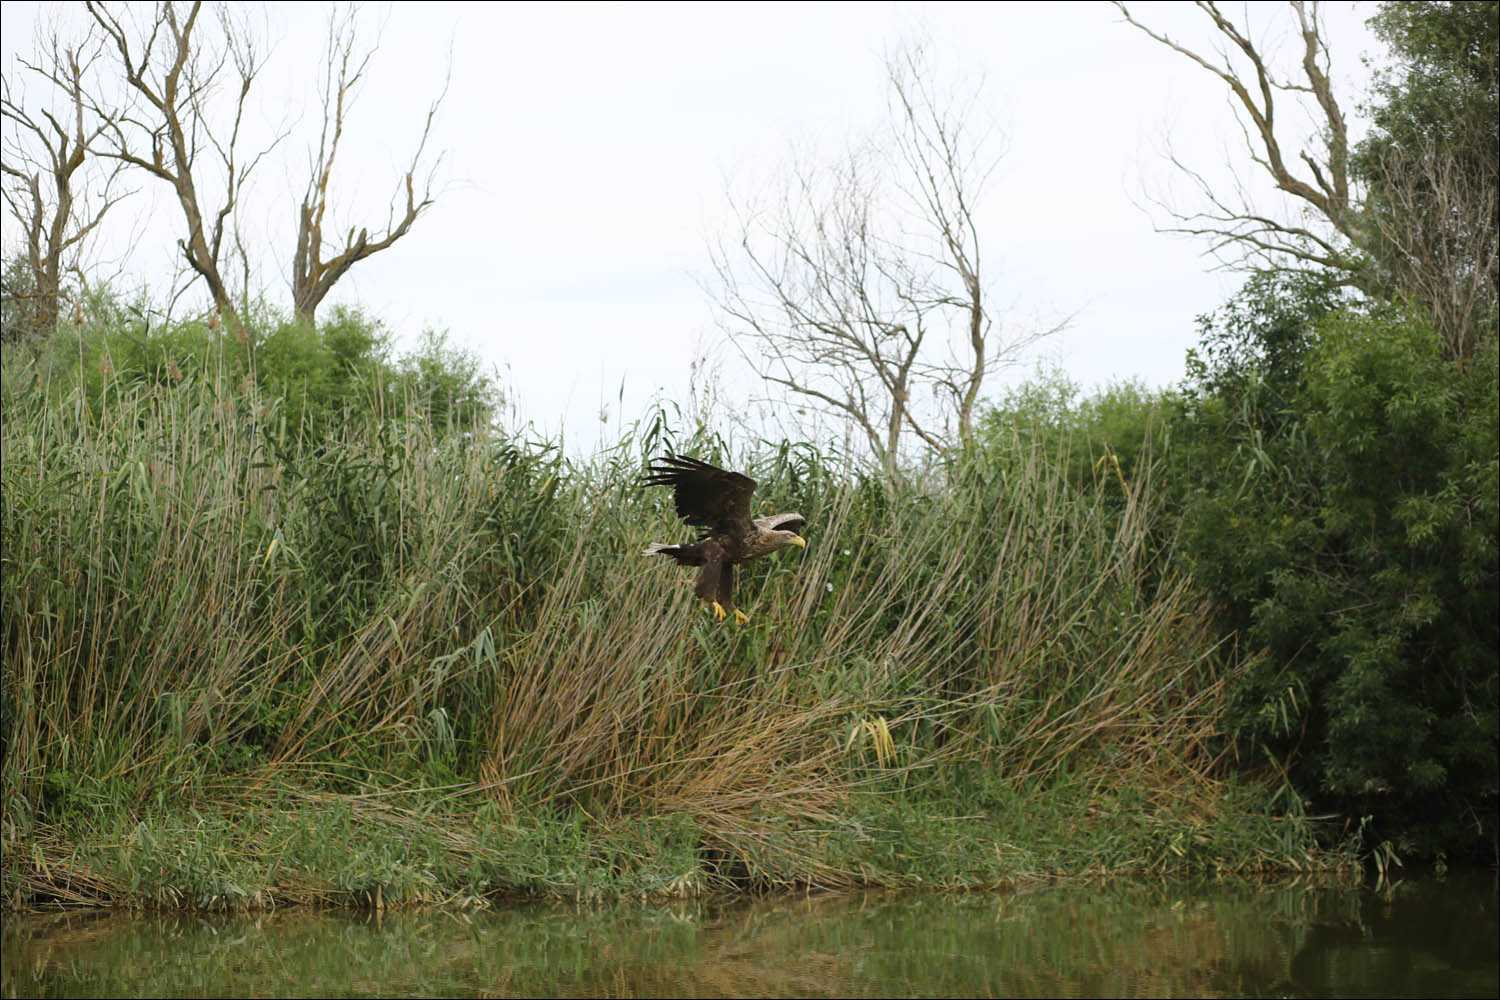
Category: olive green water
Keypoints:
(1417, 937)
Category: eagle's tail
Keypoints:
(686, 555)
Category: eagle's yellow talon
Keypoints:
(717, 500)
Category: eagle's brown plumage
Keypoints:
(718, 501)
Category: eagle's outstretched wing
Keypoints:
(706, 495)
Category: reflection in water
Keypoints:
(1424, 937)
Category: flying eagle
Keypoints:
(709, 497)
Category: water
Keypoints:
(1417, 937)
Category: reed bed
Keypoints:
(445, 639)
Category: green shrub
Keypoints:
(1341, 504)
(309, 383)
(1098, 438)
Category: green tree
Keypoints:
(1431, 163)
(1333, 459)
(1343, 513)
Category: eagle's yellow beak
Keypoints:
(799, 541)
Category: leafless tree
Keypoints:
(46, 162)
(1316, 174)
(1437, 228)
(169, 127)
(312, 276)
(860, 288)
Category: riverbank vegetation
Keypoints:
(306, 624)
(401, 654)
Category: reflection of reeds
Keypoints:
(1131, 937)
(197, 605)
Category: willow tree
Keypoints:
(1431, 164)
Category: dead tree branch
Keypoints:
(1318, 177)
(1437, 224)
(170, 127)
(48, 189)
(313, 277)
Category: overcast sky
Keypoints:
(588, 151)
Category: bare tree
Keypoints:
(1437, 237)
(313, 277)
(46, 189)
(1317, 174)
(167, 127)
(864, 295)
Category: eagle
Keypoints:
(719, 501)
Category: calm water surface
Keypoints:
(1417, 937)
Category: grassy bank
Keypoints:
(409, 659)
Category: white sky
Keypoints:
(588, 150)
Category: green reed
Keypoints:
(206, 609)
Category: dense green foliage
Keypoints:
(1110, 434)
(1340, 501)
(1333, 469)
(318, 378)
(1442, 90)
(1330, 471)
